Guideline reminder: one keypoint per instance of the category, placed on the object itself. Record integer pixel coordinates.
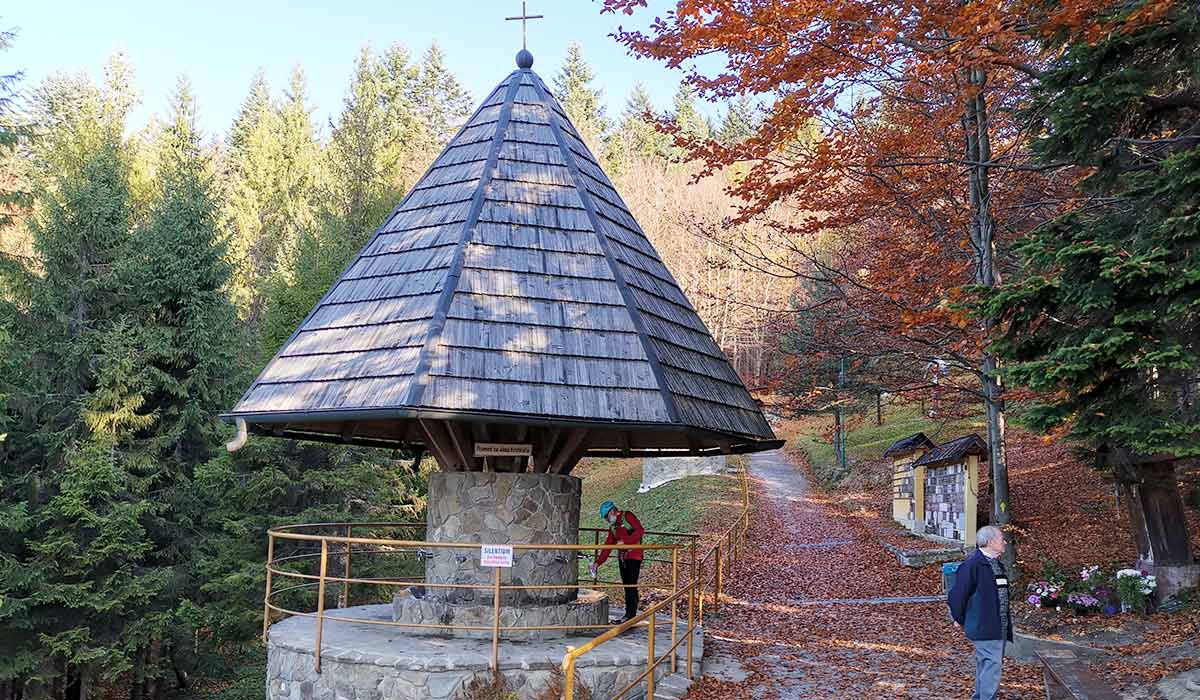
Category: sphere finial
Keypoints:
(524, 59)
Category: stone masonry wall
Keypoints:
(502, 508)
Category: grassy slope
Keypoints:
(693, 504)
(684, 505)
(866, 441)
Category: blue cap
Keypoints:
(605, 507)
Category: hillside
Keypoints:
(1065, 511)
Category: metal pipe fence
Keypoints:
(310, 559)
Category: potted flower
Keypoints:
(1135, 588)
(1108, 600)
(1045, 594)
(1083, 603)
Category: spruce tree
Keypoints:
(740, 122)
(441, 102)
(249, 183)
(373, 142)
(81, 570)
(636, 136)
(691, 123)
(300, 174)
(1104, 316)
(13, 196)
(583, 104)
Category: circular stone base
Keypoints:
(363, 661)
(589, 608)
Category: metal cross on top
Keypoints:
(523, 17)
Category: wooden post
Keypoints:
(267, 597)
(496, 624)
(321, 600)
(650, 661)
(674, 603)
(970, 501)
(700, 589)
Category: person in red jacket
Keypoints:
(623, 528)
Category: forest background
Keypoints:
(147, 275)
(989, 207)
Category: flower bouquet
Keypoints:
(1083, 603)
(1045, 594)
(1135, 588)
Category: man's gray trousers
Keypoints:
(989, 655)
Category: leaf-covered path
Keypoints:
(808, 613)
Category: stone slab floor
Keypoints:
(364, 661)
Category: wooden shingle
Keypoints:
(512, 284)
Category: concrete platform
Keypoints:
(364, 661)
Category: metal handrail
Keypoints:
(733, 541)
(322, 579)
(694, 588)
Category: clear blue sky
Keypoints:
(219, 44)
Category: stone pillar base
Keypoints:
(576, 617)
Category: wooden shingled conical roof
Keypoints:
(511, 297)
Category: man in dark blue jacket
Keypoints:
(979, 606)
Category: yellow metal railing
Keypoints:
(727, 548)
(339, 550)
(323, 579)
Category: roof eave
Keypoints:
(723, 443)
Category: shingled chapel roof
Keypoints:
(510, 284)
(954, 451)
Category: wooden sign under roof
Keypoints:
(511, 297)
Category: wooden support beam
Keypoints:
(348, 430)
(543, 449)
(623, 436)
(571, 451)
(464, 446)
(439, 444)
(520, 464)
(479, 433)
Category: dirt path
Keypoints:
(817, 609)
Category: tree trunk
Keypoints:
(137, 687)
(153, 670)
(1157, 520)
(983, 229)
(840, 435)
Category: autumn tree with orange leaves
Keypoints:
(920, 174)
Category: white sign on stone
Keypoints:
(503, 449)
(500, 555)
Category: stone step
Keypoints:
(672, 687)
